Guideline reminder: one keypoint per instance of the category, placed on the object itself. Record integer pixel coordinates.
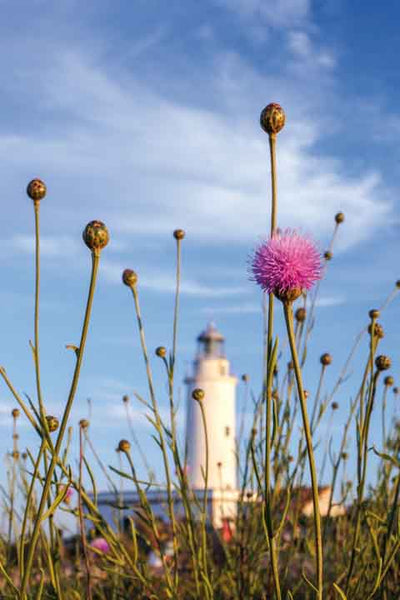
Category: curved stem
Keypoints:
(288, 312)
(63, 426)
(156, 412)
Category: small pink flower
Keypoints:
(101, 544)
(286, 264)
(68, 495)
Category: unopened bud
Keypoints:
(83, 423)
(129, 277)
(95, 235)
(15, 413)
(161, 351)
(198, 394)
(383, 363)
(272, 118)
(300, 314)
(179, 234)
(36, 190)
(52, 423)
(325, 359)
(124, 446)
(388, 381)
(339, 218)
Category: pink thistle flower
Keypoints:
(101, 544)
(286, 264)
(68, 494)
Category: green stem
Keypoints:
(364, 431)
(63, 426)
(207, 587)
(268, 390)
(36, 318)
(288, 312)
(28, 503)
(81, 521)
(156, 413)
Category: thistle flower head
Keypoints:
(286, 264)
(101, 544)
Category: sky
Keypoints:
(145, 115)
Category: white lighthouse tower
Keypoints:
(212, 375)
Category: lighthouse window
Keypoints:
(227, 431)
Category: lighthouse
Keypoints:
(212, 374)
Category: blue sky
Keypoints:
(145, 115)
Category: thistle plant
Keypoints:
(273, 546)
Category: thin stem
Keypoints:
(288, 312)
(36, 317)
(208, 587)
(81, 522)
(156, 412)
(28, 502)
(63, 426)
(267, 386)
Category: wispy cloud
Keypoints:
(160, 282)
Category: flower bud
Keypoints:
(272, 118)
(15, 413)
(378, 330)
(198, 394)
(395, 390)
(95, 235)
(129, 278)
(325, 359)
(36, 190)
(161, 351)
(339, 218)
(345, 456)
(15, 455)
(83, 423)
(125, 399)
(300, 314)
(374, 313)
(288, 296)
(328, 255)
(398, 284)
(334, 406)
(179, 234)
(245, 378)
(124, 446)
(52, 423)
(388, 381)
(383, 363)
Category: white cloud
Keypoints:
(276, 13)
(160, 282)
(165, 164)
